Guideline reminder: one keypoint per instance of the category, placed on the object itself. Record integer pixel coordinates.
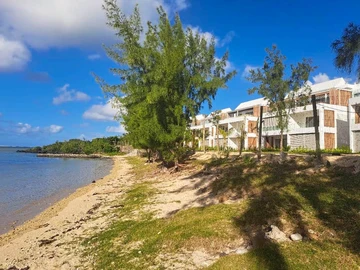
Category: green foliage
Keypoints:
(281, 93)
(76, 146)
(334, 151)
(271, 149)
(167, 74)
(347, 49)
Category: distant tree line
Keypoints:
(77, 146)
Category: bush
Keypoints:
(334, 151)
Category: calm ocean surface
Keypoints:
(28, 184)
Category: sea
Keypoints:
(30, 184)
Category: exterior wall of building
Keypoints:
(340, 97)
(303, 140)
(342, 129)
(354, 125)
(337, 127)
(356, 144)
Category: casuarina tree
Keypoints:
(282, 94)
(347, 50)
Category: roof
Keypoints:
(251, 103)
(226, 110)
(336, 83)
(356, 89)
(200, 117)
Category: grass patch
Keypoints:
(136, 243)
(287, 195)
(112, 154)
(302, 255)
(140, 167)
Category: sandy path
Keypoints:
(52, 239)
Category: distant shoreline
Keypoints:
(71, 156)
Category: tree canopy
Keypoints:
(166, 75)
(282, 94)
(347, 50)
(77, 146)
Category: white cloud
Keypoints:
(82, 137)
(66, 95)
(228, 65)
(227, 39)
(206, 35)
(94, 56)
(13, 55)
(209, 36)
(63, 23)
(101, 112)
(321, 77)
(24, 128)
(63, 112)
(55, 129)
(181, 4)
(115, 129)
(247, 69)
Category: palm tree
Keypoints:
(225, 134)
(215, 119)
(241, 135)
(347, 49)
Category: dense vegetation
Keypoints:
(77, 146)
(167, 74)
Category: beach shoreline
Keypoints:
(25, 206)
(60, 219)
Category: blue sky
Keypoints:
(49, 48)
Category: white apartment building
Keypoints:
(333, 110)
(354, 120)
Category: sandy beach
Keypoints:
(52, 239)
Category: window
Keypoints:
(310, 121)
(248, 111)
(357, 115)
(322, 98)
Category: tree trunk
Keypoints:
(217, 137)
(203, 141)
(241, 144)
(282, 154)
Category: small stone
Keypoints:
(241, 251)
(93, 182)
(273, 233)
(296, 237)
(311, 231)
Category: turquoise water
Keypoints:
(28, 184)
